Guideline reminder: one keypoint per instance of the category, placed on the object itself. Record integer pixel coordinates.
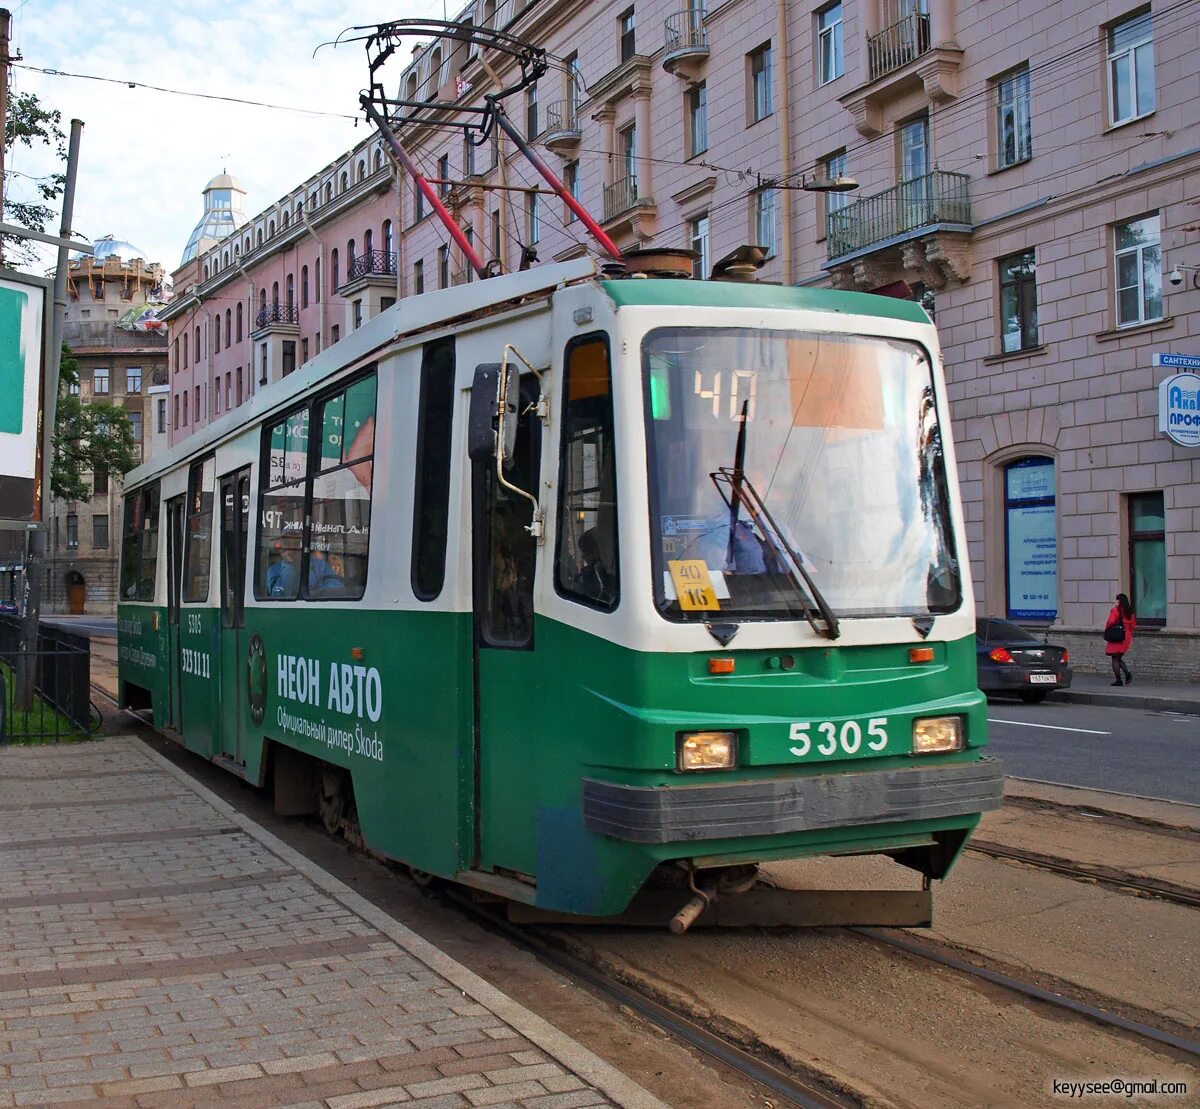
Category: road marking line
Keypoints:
(1052, 727)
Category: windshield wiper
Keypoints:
(742, 491)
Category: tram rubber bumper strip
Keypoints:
(714, 811)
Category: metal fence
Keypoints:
(620, 196)
(937, 197)
(899, 44)
(277, 313)
(61, 709)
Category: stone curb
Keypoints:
(1127, 701)
(577, 1058)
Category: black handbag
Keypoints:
(1115, 633)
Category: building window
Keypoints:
(1014, 136)
(196, 409)
(228, 327)
(699, 230)
(1030, 540)
(764, 220)
(571, 182)
(418, 277)
(228, 390)
(418, 204)
(133, 379)
(468, 156)
(389, 246)
(100, 532)
(496, 231)
(100, 381)
(533, 217)
(1131, 69)
(216, 343)
(760, 83)
(334, 273)
(303, 286)
(135, 425)
(585, 563)
(357, 313)
(304, 350)
(176, 411)
(197, 341)
(626, 29)
(531, 113)
(835, 166)
(627, 151)
(1139, 272)
(239, 385)
(72, 530)
(574, 82)
(100, 483)
(1148, 558)
(1018, 302)
(239, 321)
(289, 356)
(444, 174)
(830, 63)
(160, 424)
(443, 256)
(335, 333)
(262, 363)
(697, 110)
(185, 407)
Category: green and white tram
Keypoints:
(561, 586)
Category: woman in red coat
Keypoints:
(1122, 614)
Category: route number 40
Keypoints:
(848, 738)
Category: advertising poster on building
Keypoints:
(22, 354)
(1032, 540)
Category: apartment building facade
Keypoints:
(119, 361)
(1021, 171)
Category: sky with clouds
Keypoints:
(146, 156)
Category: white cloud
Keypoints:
(145, 156)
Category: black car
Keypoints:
(1011, 660)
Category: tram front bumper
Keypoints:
(727, 810)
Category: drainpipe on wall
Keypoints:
(785, 140)
(320, 254)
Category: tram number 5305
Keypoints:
(847, 738)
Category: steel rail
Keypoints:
(1027, 989)
(1118, 880)
(796, 1092)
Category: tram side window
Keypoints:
(585, 563)
(139, 545)
(198, 537)
(431, 511)
(341, 495)
(281, 518)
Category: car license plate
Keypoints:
(1043, 679)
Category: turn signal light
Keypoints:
(356, 652)
(720, 666)
(1066, 657)
(920, 654)
(1000, 654)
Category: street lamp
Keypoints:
(839, 184)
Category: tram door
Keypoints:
(174, 584)
(504, 557)
(235, 519)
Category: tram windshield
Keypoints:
(769, 448)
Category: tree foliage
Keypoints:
(87, 438)
(32, 125)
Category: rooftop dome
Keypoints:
(222, 215)
(108, 247)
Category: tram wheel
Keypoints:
(332, 803)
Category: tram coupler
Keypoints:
(727, 883)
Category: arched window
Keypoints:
(237, 250)
(328, 191)
(317, 280)
(333, 270)
(362, 170)
(1030, 539)
(205, 271)
(262, 300)
(197, 352)
(378, 160)
(291, 290)
(270, 229)
(350, 256)
(345, 181)
(410, 91)
(387, 244)
(368, 244)
(229, 327)
(225, 260)
(216, 339)
(287, 219)
(312, 201)
(275, 293)
(258, 237)
(248, 247)
(489, 13)
(434, 81)
(303, 286)
(299, 209)
(239, 321)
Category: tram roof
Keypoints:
(661, 292)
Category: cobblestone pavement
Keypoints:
(158, 948)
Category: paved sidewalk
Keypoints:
(158, 948)
(1097, 689)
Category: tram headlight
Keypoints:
(934, 735)
(705, 750)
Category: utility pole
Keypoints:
(5, 23)
(38, 540)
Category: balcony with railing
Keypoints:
(281, 317)
(686, 46)
(897, 45)
(620, 197)
(371, 267)
(913, 207)
(561, 133)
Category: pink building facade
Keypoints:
(1024, 172)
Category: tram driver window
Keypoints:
(139, 545)
(198, 553)
(585, 563)
(341, 495)
(281, 518)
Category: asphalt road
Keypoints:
(1154, 754)
(84, 625)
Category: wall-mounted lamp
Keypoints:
(1175, 277)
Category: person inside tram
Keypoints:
(283, 573)
(594, 579)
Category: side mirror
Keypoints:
(481, 417)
